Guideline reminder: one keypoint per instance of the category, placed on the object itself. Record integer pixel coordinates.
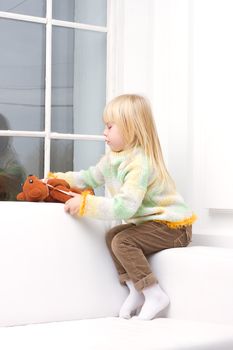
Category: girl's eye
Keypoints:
(109, 127)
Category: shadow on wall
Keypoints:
(12, 173)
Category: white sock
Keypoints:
(155, 301)
(134, 300)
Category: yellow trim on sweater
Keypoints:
(83, 203)
(179, 224)
(51, 175)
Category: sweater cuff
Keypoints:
(83, 202)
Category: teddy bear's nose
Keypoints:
(31, 181)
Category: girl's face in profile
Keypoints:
(113, 137)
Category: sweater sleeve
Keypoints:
(126, 202)
(92, 177)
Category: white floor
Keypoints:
(118, 334)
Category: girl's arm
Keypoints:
(122, 206)
(92, 177)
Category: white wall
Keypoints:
(162, 43)
(212, 90)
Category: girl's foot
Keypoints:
(155, 301)
(134, 300)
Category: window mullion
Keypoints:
(76, 25)
(19, 17)
(22, 133)
(56, 135)
(48, 88)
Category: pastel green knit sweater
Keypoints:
(134, 196)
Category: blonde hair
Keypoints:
(133, 115)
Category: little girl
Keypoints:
(142, 194)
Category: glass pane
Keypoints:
(62, 155)
(79, 81)
(69, 155)
(22, 71)
(88, 12)
(31, 8)
(30, 151)
(20, 156)
(62, 80)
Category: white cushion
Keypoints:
(115, 334)
(198, 281)
(54, 267)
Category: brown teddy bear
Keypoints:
(51, 190)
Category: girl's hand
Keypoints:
(72, 205)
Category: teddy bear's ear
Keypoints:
(20, 196)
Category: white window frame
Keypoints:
(112, 70)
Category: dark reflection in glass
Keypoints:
(12, 173)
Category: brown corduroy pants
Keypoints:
(130, 245)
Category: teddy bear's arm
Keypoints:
(20, 196)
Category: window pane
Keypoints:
(79, 81)
(31, 8)
(62, 155)
(20, 156)
(89, 11)
(75, 155)
(62, 79)
(22, 71)
(30, 151)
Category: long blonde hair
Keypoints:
(133, 115)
